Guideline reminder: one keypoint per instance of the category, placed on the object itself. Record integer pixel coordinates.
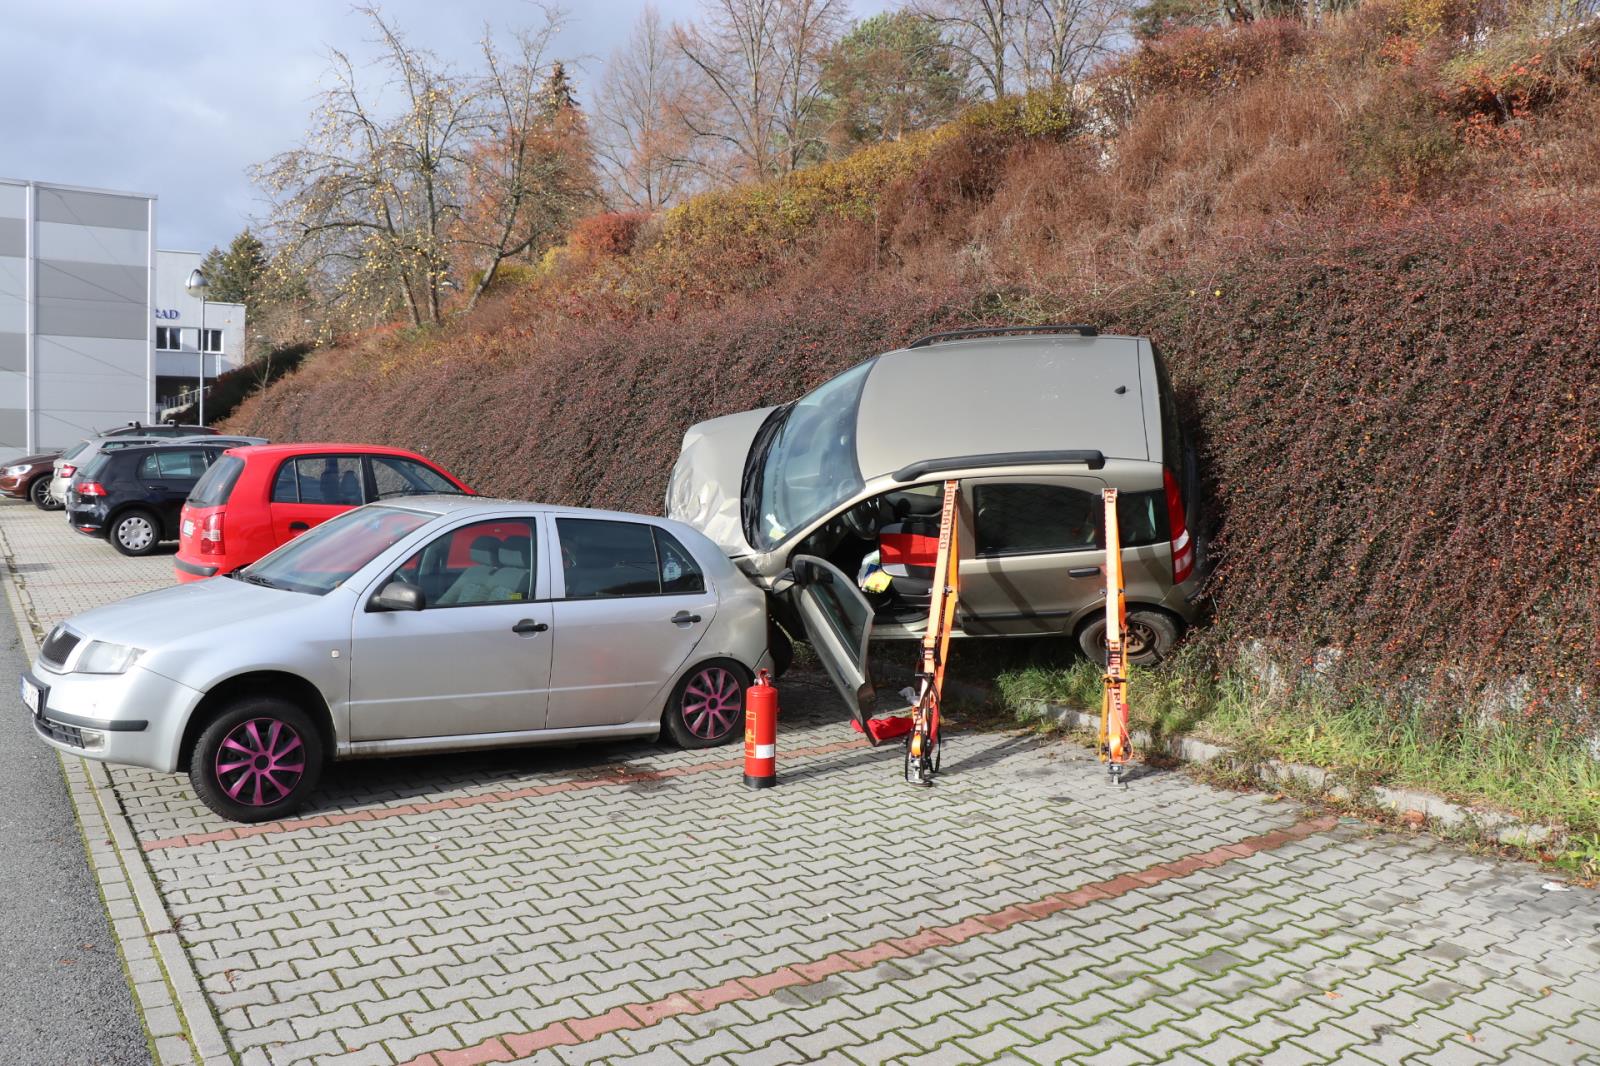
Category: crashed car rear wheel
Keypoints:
(1151, 637)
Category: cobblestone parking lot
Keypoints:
(634, 903)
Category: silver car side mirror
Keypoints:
(397, 596)
(783, 582)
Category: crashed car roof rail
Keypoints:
(1094, 460)
(998, 331)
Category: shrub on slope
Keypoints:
(1402, 426)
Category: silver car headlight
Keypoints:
(17, 471)
(103, 657)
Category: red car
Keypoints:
(253, 499)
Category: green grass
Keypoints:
(1364, 742)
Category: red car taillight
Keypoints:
(67, 470)
(91, 488)
(211, 535)
(1182, 546)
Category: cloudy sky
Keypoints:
(180, 98)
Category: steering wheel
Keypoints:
(862, 520)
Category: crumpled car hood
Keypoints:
(703, 491)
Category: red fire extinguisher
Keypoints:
(761, 734)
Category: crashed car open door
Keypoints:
(838, 623)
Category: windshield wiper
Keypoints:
(257, 579)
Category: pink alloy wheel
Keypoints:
(260, 762)
(711, 702)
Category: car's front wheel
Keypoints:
(1151, 637)
(135, 532)
(257, 760)
(707, 707)
(39, 493)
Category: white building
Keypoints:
(178, 329)
(83, 291)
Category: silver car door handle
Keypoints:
(1083, 571)
(528, 625)
(684, 618)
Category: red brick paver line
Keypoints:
(622, 777)
(576, 1030)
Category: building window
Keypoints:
(211, 340)
(168, 339)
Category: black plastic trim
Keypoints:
(1091, 458)
(1016, 616)
(1079, 328)
(129, 725)
(195, 568)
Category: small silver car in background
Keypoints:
(437, 623)
(134, 433)
(1034, 422)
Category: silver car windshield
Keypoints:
(319, 561)
(809, 466)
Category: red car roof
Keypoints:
(319, 447)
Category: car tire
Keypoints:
(1151, 637)
(39, 493)
(707, 706)
(134, 532)
(258, 760)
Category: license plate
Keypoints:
(188, 527)
(30, 696)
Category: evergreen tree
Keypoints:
(236, 276)
(557, 95)
(892, 74)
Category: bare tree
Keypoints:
(529, 174)
(760, 64)
(369, 199)
(428, 169)
(1060, 40)
(641, 142)
(808, 30)
(984, 32)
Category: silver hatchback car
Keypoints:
(442, 623)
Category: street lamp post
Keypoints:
(197, 288)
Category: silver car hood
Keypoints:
(175, 624)
(703, 491)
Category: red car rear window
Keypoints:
(216, 484)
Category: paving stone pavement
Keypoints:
(633, 903)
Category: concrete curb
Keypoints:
(1454, 817)
(163, 979)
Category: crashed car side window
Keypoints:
(1023, 519)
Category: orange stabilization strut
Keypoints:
(924, 741)
(1115, 744)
